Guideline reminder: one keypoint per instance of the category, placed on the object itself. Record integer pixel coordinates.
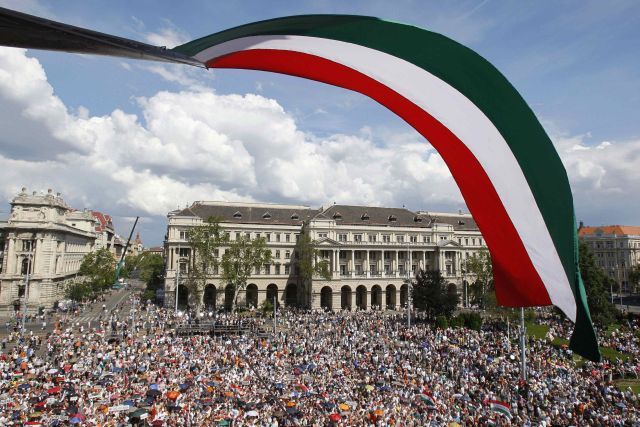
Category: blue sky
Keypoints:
(575, 62)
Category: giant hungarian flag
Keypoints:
(508, 171)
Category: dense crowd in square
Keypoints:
(320, 369)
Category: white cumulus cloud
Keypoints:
(195, 144)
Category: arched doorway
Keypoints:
(209, 297)
(291, 294)
(403, 296)
(390, 299)
(252, 295)
(229, 293)
(183, 297)
(361, 297)
(272, 293)
(376, 297)
(326, 298)
(345, 298)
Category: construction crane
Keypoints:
(116, 283)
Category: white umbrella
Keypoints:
(251, 414)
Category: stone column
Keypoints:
(366, 266)
(336, 300)
(262, 296)
(10, 257)
(352, 271)
(315, 299)
(395, 265)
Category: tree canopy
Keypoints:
(598, 288)
(308, 261)
(203, 240)
(240, 259)
(97, 273)
(431, 294)
(479, 268)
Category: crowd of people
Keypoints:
(318, 369)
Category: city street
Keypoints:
(88, 316)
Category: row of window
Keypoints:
(186, 252)
(258, 270)
(612, 245)
(400, 238)
(269, 237)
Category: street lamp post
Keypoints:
(26, 294)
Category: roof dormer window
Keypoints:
(417, 219)
(295, 216)
(237, 214)
(337, 215)
(393, 218)
(266, 215)
(365, 217)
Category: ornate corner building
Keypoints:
(371, 252)
(47, 239)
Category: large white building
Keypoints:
(48, 239)
(371, 251)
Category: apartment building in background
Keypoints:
(616, 248)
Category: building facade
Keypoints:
(371, 251)
(616, 248)
(47, 239)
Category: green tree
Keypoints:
(98, 270)
(130, 262)
(479, 268)
(240, 259)
(431, 294)
(78, 291)
(597, 286)
(308, 260)
(203, 241)
(151, 269)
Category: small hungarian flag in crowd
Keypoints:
(428, 399)
(502, 408)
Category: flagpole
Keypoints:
(523, 352)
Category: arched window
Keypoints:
(26, 266)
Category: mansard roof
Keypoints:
(374, 215)
(460, 222)
(250, 213)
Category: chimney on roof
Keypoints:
(34, 193)
(459, 211)
(24, 189)
(58, 194)
(581, 225)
